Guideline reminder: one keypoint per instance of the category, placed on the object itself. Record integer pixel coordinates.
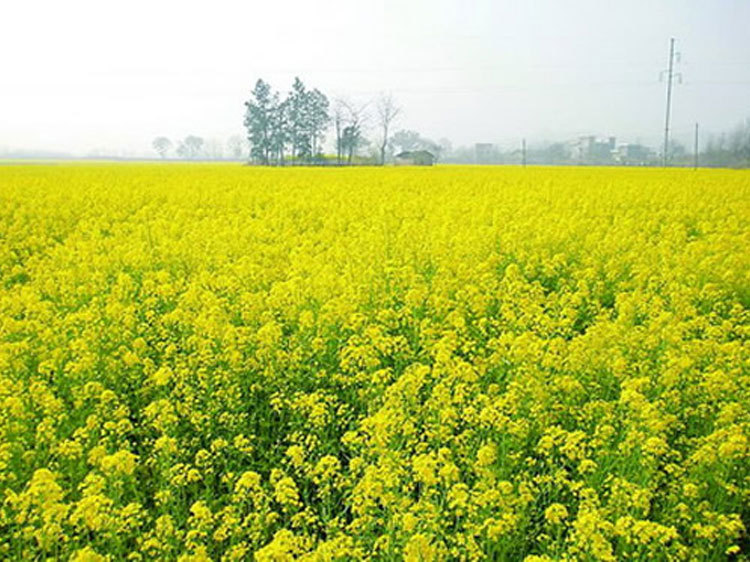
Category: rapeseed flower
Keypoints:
(213, 362)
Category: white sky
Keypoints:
(78, 74)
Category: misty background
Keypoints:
(106, 78)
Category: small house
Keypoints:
(415, 158)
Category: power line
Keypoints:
(671, 75)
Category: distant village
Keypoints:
(729, 149)
(584, 150)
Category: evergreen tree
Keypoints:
(279, 129)
(317, 118)
(297, 103)
(297, 122)
(258, 120)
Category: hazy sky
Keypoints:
(80, 74)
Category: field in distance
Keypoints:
(216, 362)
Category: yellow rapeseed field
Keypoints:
(217, 362)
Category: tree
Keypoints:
(677, 150)
(258, 118)
(162, 145)
(297, 103)
(554, 153)
(298, 122)
(213, 149)
(279, 129)
(716, 152)
(190, 148)
(352, 133)
(432, 147)
(350, 138)
(387, 112)
(236, 147)
(404, 141)
(739, 142)
(317, 118)
(446, 148)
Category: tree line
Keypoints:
(290, 129)
(193, 147)
(292, 126)
(730, 149)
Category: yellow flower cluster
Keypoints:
(211, 362)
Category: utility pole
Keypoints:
(523, 152)
(670, 75)
(695, 149)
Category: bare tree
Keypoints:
(237, 147)
(190, 148)
(213, 149)
(387, 112)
